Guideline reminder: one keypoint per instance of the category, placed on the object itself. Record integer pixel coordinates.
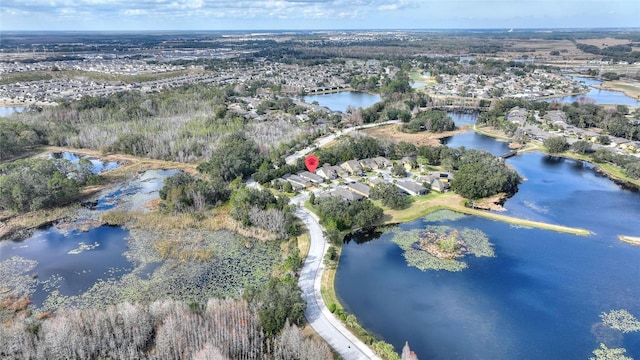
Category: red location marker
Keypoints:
(312, 162)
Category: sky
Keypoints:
(101, 15)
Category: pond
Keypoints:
(98, 164)
(539, 298)
(473, 140)
(462, 119)
(340, 101)
(598, 95)
(8, 110)
(418, 84)
(80, 263)
(70, 262)
(67, 261)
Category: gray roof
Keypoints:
(297, 180)
(310, 176)
(347, 194)
(351, 165)
(411, 187)
(359, 188)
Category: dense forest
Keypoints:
(184, 124)
(219, 329)
(32, 184)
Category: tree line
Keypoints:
(184, 124)
(613, 120)
(32, 184)
(164, 329)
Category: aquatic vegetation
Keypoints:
(604, 353)
(213, 264)
(621, 320)
(83, 247)
(15, 276)
(442, 247)
(443, 215)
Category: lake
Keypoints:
(462, 119)
(98, 164)
(598, 95)
(64, 264)
(539, 298)
(69, 261)
(8, 110)
(340, 101)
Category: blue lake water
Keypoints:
(473, 140)
(72, 262)
(72, 274)
(341, 100)
(8, 110)
(539, 298)
(463, 119)
(598, 95)
(98, 164)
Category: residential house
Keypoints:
(359, 188)
(440, 186)
(368, 164)
(408, 162)
(352, 166)
(328, 172)
(347, 194)
(517, 115)
(297, 182)
(331, 172)
(382, 162)
(411, 188)
(311, 177)
(374, 181)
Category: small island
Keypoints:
(442, 247)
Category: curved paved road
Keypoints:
(317, 313)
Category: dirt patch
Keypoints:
(392, 133)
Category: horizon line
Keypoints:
(513, 30)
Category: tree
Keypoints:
(398, 170)
(483, 175)
(277, 301)
(390, 195)
(556, 144)
(32, 184)
(582, 147)
(604, 140)
(236, 156)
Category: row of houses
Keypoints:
(354, 191)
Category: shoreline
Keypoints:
(455, 202)
(633, 240)
(611, 171)
(620, 86)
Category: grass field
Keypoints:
(424, 205)
(631, 89)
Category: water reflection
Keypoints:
(8, 110)
(98, 164)
(67, 266)
(599, 96)
(539, 298)
(342, 100)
